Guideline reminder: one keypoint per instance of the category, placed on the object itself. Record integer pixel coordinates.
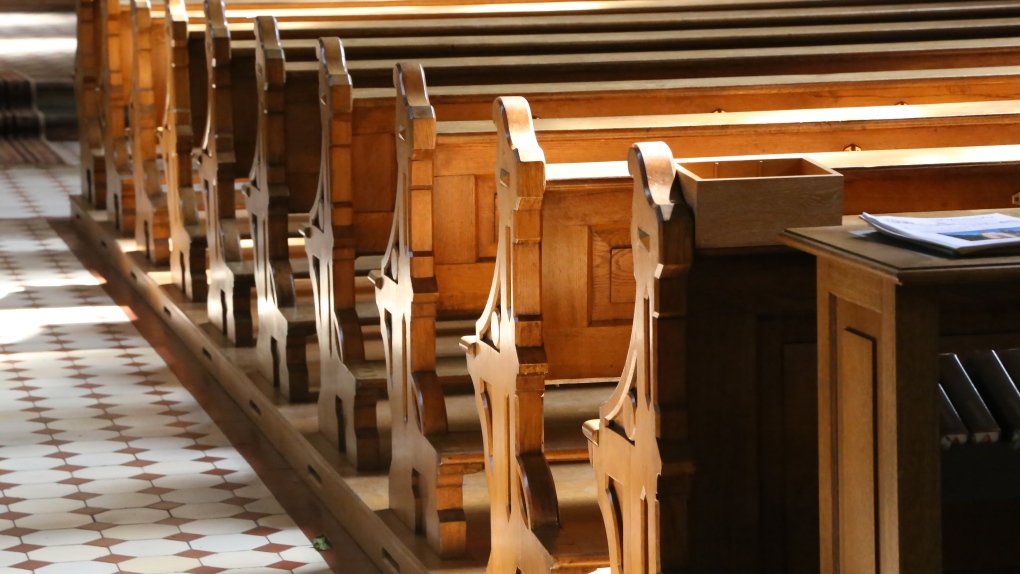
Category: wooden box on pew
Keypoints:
(744, 203)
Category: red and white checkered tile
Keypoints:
(107, 463)
(37, 191)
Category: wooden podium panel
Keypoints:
(884, 313)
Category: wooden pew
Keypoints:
(274, 365)
(183, 42)
(369, 109)
(453, 251)
(281, 353)
(771, 310)
(367, 115)
(192, 280)
(105, 24)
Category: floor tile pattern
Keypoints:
(107, 463)
(37, 191)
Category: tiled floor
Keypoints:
(107, 463)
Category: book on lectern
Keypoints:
(992, 233)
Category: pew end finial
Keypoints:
(335, 84)
(416, 119)
(269, 55)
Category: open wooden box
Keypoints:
(748, 202)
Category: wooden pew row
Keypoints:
(279, 355)
(122, 184)
(152, 230)
(339, 232)
(447, 170)
(643, 450)
(282, 356)
(92, 14)
(104, 57)
(152, 210)
(546, 68)
(181, 171)
(515, 349)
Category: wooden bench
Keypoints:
(186, 115)
(275, 366)
(225, 310)
(734, 501)
(281, 356)
(449, 175)
(367, 115)
(182, 273)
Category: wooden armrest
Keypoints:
(590, 428)
(242, 268)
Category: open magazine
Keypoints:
(991, 233)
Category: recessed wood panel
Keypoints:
(611, 275)
(488, 216)
(454, 219)
(855, 431)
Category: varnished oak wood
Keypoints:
(186, 256)
(369, 123)
(146, 108)
(297, 73)
(510, 357)
(762, 384)
(86, 83)
(114, 81)
(640, 444)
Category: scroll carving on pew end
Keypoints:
(428, 460)
(87, 79)
(640, 445)
(116, 84)
(231, 277)
(350, 385)
(521, 344)
(177, 138)
(148, 91)
(286, 135)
